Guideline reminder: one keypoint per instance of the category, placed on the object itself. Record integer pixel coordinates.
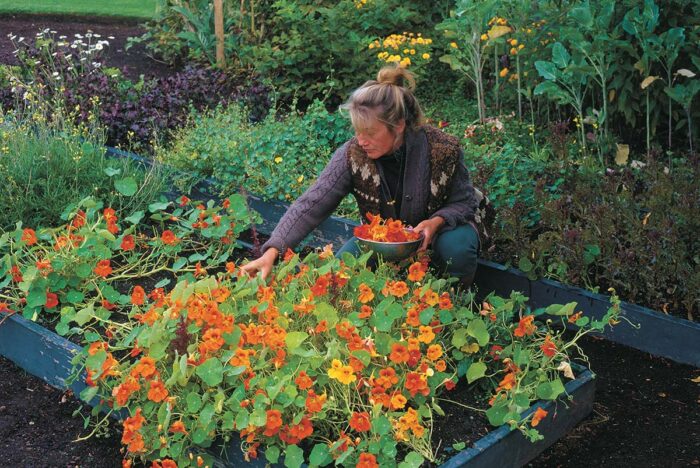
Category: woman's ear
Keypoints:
(400, 126)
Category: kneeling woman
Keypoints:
(397, 167)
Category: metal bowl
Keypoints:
(392, 251)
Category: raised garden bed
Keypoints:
(48, 356)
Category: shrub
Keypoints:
(277, 158)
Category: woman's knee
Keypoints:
(456, 251)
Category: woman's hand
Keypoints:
(263, 264)
(429, 228)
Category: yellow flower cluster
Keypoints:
(360, 3)
(515, 46)
(343, 374)
(404, 49)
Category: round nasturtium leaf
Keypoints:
(126, 186)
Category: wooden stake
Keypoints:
(219, 31)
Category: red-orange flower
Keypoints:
(16, 274)
(416, 383)
(303, 381)
(367, 460)
(538, 416)
(399, 353)
(396, 288)
(157, 392)
(51, 300)
(178, 427)
(314, 403)
(360, 421)
(103, 268)
(128, 243)
(365, 312)
(525, 326)
(29, 236)
(138, 295)
(416, 271)
(548, 347)
(366, 293)
(123, 391)
(273, 422)
(434, 352)
(168, 237)
(146, 368)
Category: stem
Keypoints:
(520, 105)
(495, 72)
(648, 129)
(462, 405)
(80, 439)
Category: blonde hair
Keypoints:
(388, 99)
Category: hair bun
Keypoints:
(397, 76)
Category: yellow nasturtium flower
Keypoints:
(503, 72)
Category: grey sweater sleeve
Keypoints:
(314, 205)
(461, 204)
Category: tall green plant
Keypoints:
(467, 25)
(566, 82)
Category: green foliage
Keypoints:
(45, 168)
(277, 158)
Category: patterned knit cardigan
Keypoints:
(436, 183)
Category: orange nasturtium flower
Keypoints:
(367, 460)
(341, 373)
(398, 401)
(525, 326)
(168, 237)
(103, 268)
(314, 403)
(416, 271)
(128, 242)
(273, 422)
(29, 236)
(539, 415)
(425, 334)
(395, 288)
(399, 353)
(434, 352)
(138, 295)
(146, 368)
(416, 383)
(157, 391)
(360, 421)
(178, 427)
(366, 293)
(303, 381)
(123, 391)
(548, 347)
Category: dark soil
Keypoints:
(37, 430)
(133, 62)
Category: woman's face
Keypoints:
(378, 139)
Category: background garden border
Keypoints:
(644, 329)
(48, 356)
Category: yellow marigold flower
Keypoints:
(413, 51)
(453, 45)
(406, 51)
(425, 56)
(405, 62)
(503, 72)
(428, 41)
(513, 42)
(484, 37)
(513, 51)
(520, 47)
(278, 159)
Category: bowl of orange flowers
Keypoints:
(388, 238)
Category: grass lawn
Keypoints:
(129, 8)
